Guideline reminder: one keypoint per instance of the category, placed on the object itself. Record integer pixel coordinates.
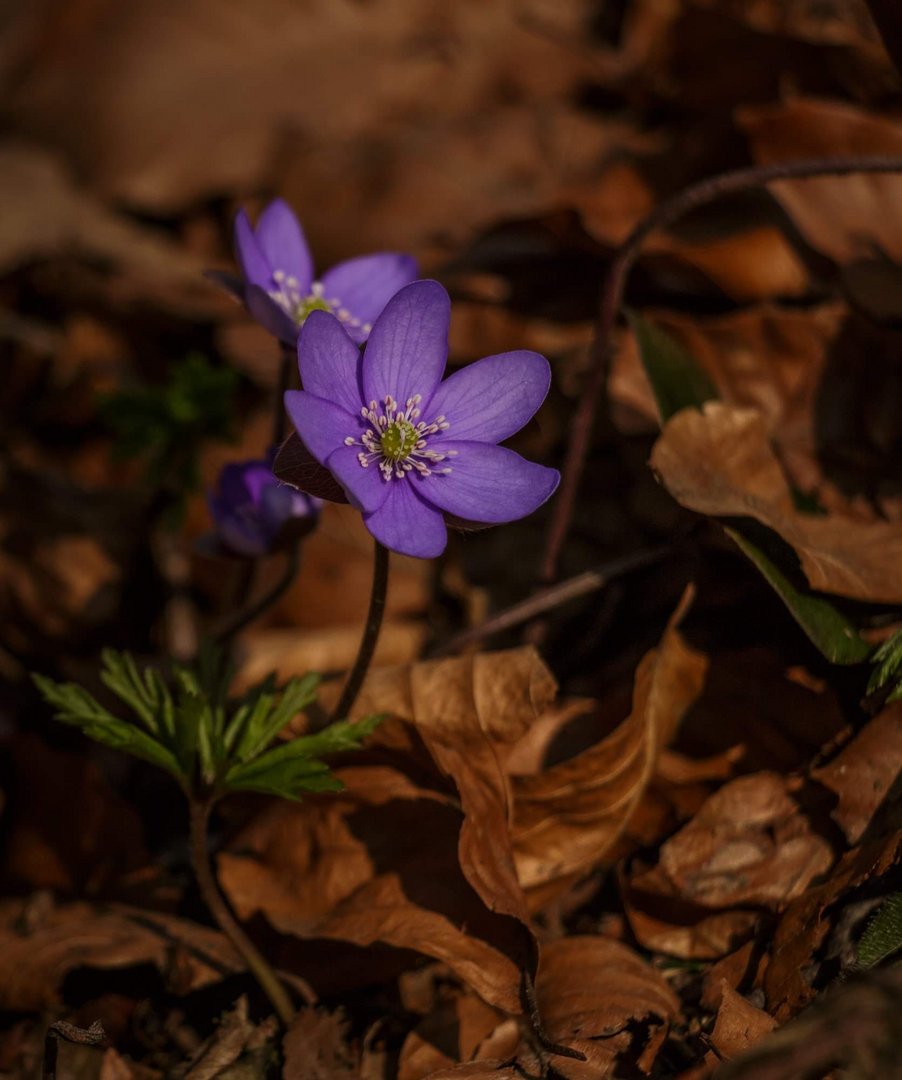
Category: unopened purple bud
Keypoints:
(256, 514)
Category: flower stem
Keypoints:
(199, 809)
(265, 602)
(370, 634)
(662, 216)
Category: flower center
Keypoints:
(287, 294)
(398, 441)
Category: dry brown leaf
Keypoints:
(49, 215)
(718, 461)
(567, 818)
(765, 358)
(225, 1045)
(463, 1029)
(169, 114)
(805, 923)
(39, 947)
(316, 1048)
(47, 846)
(752, 264)
(864, 772)
(847, 217)
(739, 1024)
(334, 868)
(748, 847)
(591, 991)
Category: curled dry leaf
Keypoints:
(49, 215)
(765, 358)
(739, 1024)
(806, 922)
(845, 217)
(567, 818)
(416, 853)
(863, 774)
(748, 847)
(719, 461)
(316, 1048)
(598, 997)
(462, 1029)
(38, 948)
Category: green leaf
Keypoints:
(676, 379)
(167, 424)
(75, 706)
(148, 697)
(294, 765)
(888, 669)
(828, 629)
(287, 777)
(883, 935)
(267, 718)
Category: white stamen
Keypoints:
(410, 452)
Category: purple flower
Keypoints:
(407, 448)
(255, 513)
(279, 286)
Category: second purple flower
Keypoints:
(280, 288)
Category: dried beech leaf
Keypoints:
(739, 1024)
(718, 461)
(463, 1029)
(53, 216)
(39, 948)
(567, 818)
(765, 358)
(590, 991)
(345, 875)
(316, 1048)
(845, 217)
(746, 848)
(864, 772)
(805, 923)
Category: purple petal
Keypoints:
(242, 537)
(270, 315)
(407, 524)
(257, 478)
(284, 245)
(280, 503)
(491, 399)
(488, 483)
(322, 425)
(366, 488)
(363, 287)
(408, 346)
(329, 362)
(254, 267)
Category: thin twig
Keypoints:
(199, 809)
(370, 634)
(547, 599)
(663, 215)
(265, 602)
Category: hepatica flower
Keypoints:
(280, 288)
(255, 513)
(408, 449)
